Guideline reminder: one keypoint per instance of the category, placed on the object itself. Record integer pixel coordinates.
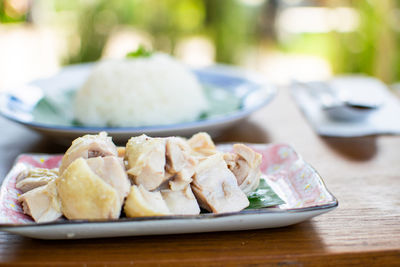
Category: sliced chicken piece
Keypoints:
(216, 188)
(84, 195)
(141, 203)
(179, 162)
(35, 177)
(42, 203)
(89, 146)
(245, 165)
(202, 145)
(181, 202)
(112, 171)
(177, 153)
(146, 161)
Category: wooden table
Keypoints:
(363, 173)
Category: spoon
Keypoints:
(338, 104)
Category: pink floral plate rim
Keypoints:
(294, 180)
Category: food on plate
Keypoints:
(215, 186)
(146, 161)
(112, 171)
(181, 201)
(39, 199)
(180, 163)
(202, 144)
(141, 202)
(143, 91)
(85, 195)
(149, 177)
(42, 203)
(35, 177)
(160, 164)
(244, 163)
(89, 146)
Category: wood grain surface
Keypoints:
(363, 173)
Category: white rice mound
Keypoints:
(157, 90)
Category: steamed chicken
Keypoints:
(149, 177)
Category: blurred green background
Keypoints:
(283, 39)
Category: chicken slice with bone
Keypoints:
(245, 165)
(85, 195)
(32, 178)
(216, 188)
(42, 203)
(88, 146)
(146, 161)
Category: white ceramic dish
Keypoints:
(295, 181)
(251, 90)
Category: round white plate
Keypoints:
(20, 104)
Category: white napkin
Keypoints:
(384, 120)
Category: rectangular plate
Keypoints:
(295, 181)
